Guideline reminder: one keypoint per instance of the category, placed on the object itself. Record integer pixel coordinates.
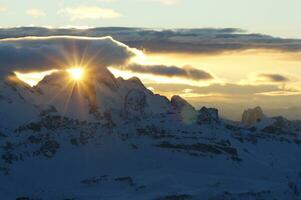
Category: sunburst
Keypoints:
(76, 73)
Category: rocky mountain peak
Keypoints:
(183, 109)
(178, 103)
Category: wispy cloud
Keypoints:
(2, 8)
(274, 77)
(171, 71)
(225, 89)
(76, 27)
(107, 1)
(89, 12)
(278, 79)
(280, 93)
(34, 12)
(166, 2)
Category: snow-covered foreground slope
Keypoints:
(121, 141)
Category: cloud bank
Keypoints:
(44, 53)
(205, 41)
(60, 52)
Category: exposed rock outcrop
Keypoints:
(282, 126)
(134, 103)
(208, 116)
(186, 111)
(178, 103)
(252, 116)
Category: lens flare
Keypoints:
(76, 73)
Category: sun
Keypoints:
(76, 73)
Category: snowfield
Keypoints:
(121, 141)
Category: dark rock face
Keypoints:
(107, 78)
(282, 126)
(186, 111)
(137, 82)
(251, 116)
(220, 148)
(178, 103)
(208, 116)
(135, 103)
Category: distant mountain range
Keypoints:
(110, 138)
(234, 111)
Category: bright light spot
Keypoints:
(140, 57)
(76, 73)
(151, 89)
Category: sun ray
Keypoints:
(59, 92)
(67, 101)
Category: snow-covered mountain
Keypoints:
(110, 138)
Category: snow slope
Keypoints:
(117, 140)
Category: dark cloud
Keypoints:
(204, 40)
(171, 71)
(43, 53)
(55, 52)
(274, 77)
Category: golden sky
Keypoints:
(239, 78)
